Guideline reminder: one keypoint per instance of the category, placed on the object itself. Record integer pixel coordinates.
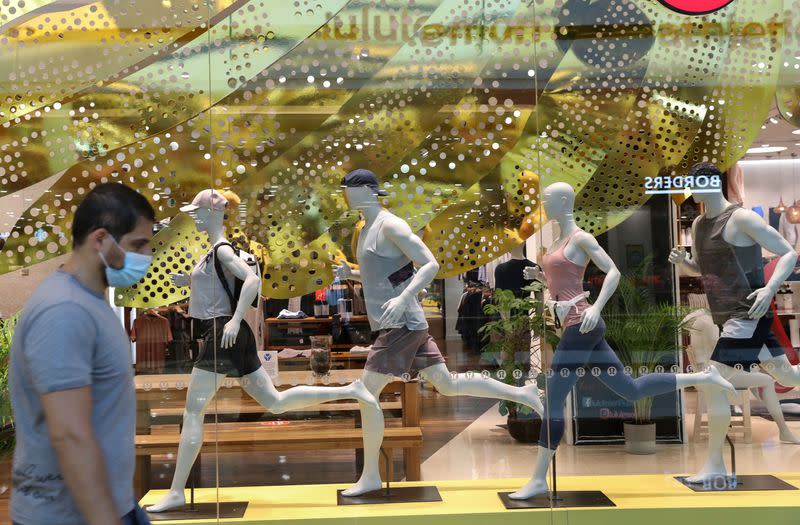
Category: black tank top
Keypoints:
(729, 273)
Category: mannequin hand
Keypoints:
(533, 273)
(393, 310)
(179, 279)
(763, 299)
(589, 319)
(678, 255)
(343, 271)
(229, 333)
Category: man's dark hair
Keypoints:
(112, 206)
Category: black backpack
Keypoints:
(237, 288)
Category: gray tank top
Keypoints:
(729, 273)
(385, 278)
(207, 297)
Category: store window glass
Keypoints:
(423, 258)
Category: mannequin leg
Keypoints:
(781, 369)
(573, 351)
(742, 379)
(476, 385)
(259, 386)
(538, 482)
(719, 419)
(373, 426)
(202, 388)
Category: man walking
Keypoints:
(71, 380)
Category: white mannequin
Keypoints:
(745, 228)
(559, 201)
(396, 238)
(704, 334)
(203, 384)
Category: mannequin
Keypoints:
(728, 240)
(704, 335)
(387, 252)
(233, 341)
(582, 343)
(510, 274)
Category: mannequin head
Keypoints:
(709, 170)
(559, 201)
(208, 210)
(361, 189)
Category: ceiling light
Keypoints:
(773, 149)
(796, 132)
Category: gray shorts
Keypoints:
(399, 351)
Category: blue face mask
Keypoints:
(133, 269)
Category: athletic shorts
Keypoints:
(239, 360)
(401, 351)
(731, 351)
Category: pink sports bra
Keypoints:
(565, 280)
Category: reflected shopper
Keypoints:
(71, 379)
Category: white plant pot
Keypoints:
(640, 439)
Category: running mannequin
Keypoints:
(235, 347)
(727, 246)
(582, 343)
(387, 251)
(705, 334)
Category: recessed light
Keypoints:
(773, 149)
(796, 132)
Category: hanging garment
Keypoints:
(151, 333)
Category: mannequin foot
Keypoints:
(364, 485)
(534, 487)
(173, 499)
(787, 436)
(712, 471)
(531, 398)
(714, 378)
(362, 394)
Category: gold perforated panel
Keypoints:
(177, 249)
(461, 108)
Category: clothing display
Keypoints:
(565, 281)
(287, 314)
(745, 351)
(237, 361)
(208, 297)
(471, 317)
(591, 351)
(152, 334)
(400, 350)
(729, 273)
(510, 275)
(387, 276)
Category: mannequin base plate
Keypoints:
(396, 495)
(564, 499)
(742, 483)
(227, 509)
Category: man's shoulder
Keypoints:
(58, 291)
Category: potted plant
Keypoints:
(6, 420)
(644, 334)
(514, 321)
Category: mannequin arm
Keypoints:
(412, 246)
(252, 283)
(603, 261)
(766, 236)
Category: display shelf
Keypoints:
(652, 499)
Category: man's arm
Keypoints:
(68, 415)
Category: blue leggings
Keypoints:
(576, 350)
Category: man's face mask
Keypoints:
(133, 270)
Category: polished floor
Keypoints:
(463, 441)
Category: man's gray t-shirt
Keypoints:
(69, 337)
